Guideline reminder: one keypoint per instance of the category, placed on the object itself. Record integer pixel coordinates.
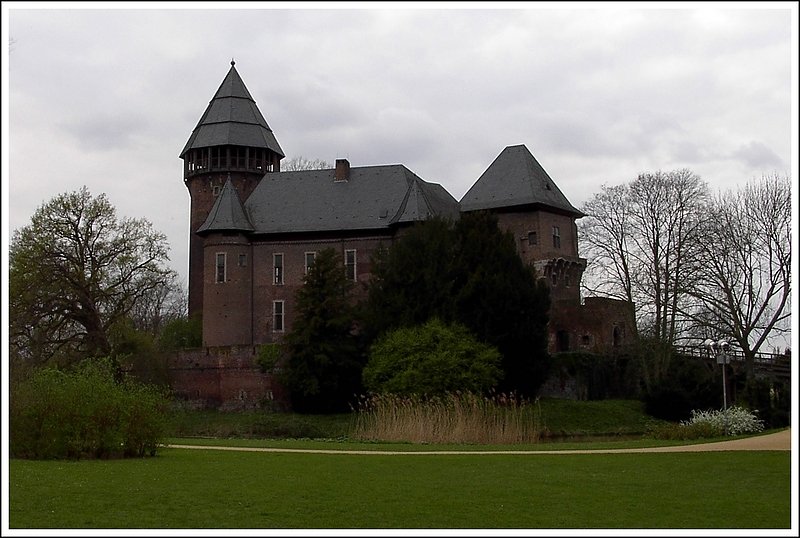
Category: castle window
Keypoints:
(350, 264)
(220, 275)
(532, 239)
(277, 269)
(277, 316)
(242, 260)
(310, 257)
(616, 337)
(556, 237)
(562, 341)
(215, 190)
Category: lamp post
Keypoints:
(720, 350)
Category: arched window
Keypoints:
(616, 336)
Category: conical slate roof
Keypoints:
(227, 213)
(232, 118)
(516, 178)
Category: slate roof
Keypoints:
(232, 118)
(516, 178)
(374, 198)
(227, 214)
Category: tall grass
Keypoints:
(453, 418)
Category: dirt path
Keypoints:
(781, 440)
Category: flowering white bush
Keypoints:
(740, 420)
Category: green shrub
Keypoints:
(686, 432)
(181, 333)
(268, 357)
(431, 359)
(84, 413)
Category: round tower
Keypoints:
(232, 141)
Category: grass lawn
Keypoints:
(182, 488)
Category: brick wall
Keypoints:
(222, 377)
(240, 311)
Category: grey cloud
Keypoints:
(758, 155)
(105, 133)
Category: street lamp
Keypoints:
(720, 350)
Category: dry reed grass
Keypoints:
(452, 418)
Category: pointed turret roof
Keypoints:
(516, 178)
(422, 201)
(232, 118)
(227, 213)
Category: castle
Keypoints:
(255, 230)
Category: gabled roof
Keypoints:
(373, 198)
(516, 178)
(227, 214)
(232, 118)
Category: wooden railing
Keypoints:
(778, 365)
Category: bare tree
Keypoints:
(163, 304)
(301, 163)
(667, 212)
(606, 235)
(640, 240)
(745, 275)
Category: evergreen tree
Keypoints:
(322, 371)
(501, 301)
(412, 282)
(470, 273)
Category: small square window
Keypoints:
(532, 239)
(242, 260)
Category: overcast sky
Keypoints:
(107, 97)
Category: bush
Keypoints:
(181, 333)
(431, 360)
(712, 423)
(738, 419)
(686, 432)
(84, 413)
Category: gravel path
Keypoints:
(781, 440)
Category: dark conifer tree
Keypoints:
(322, 371)
(466, 272)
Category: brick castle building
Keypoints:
(255, 230)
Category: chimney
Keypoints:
(342, 170)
